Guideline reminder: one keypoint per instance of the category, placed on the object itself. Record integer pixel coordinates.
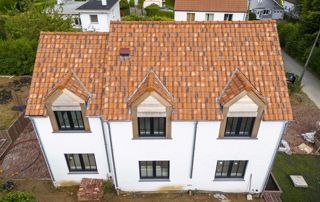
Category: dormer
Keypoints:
(66, 105)
(242, 106)
(151, 108)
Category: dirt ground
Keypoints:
(24, 159)
(305, 114)
(45, 192)
(17, 84)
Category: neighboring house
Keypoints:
(147, 3)
(267, 9)
(210, 10)
(162, 105)
(92, 15)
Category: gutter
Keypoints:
(274, 156)
(42, 150)
(193, 147)
(112, 154)
(105, 144)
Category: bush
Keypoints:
(17, 56)
(124, 8)
(252, 16)
(315, 60)
(295, 87)
(152, 10)
(107, 186)
(145, 18)
(140, 4)
(18, 197)
(131, 3)
(167, 14)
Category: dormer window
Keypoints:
(69, 120)
(152, 126)
(239, 126)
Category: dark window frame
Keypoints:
(70, 119)
(95, 21)
(247, 132)
(152, 128)
(154, 176)
(230, 166)
(191, 17)
(228, 16)
(82, 164)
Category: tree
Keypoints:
(252, 16)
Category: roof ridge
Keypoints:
(196, 22)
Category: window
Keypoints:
(209, 17)
(81, 162)
(151, 126)
(191, 16)
(77, 21)
(266, 12)
(69, 120)
(154, 169)
(239, 126)
(228, 17)
(94, 18)
(230, 169)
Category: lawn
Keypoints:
(306, 165)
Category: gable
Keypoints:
(151, 107)
(66, 100)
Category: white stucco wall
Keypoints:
(104, 19)
(178, 150)
(58, 144)
(288, 6)
(201, 16)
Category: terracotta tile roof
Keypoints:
(211, 5)
(237, 84)
(151, 83)
(73, 84)
(193, 60)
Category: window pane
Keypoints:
(143, 169)
(234, 126)
(156, 126)
(74, 119)
(79, 119)
(71, 163)
(92, 162)
(241, 168)
(60, 120)
(158, 169)
(148, 127)
(225, 168)
(149, 169)
(234, 168)
(219, 168)
(66, 119)
(77, 161)
(162, 125)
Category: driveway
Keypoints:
(311, 84)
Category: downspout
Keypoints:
(42, 150)
(193, 147)
(105, 144)
(112, 155)
(274, 157)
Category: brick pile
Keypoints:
(90, 189)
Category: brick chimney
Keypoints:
(104, 2)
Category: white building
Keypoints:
(267, 9)
(210, 10)
(199, 106)
(92, 15)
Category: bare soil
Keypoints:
(305, 114)
(46, 192)
(20, 86)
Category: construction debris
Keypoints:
(305, 148)
(221, 197)
(284, 147)
(309, 137)
(298, 181)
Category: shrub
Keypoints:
(145, 18)
(18, 197)
(167, 14)
(17, 56)
(140, 3)
(107, 186)
(295, 87)
(152, 10)
(131, 3)
(124, 8)
(252, 16)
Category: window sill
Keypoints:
(151, 138)
(229, 179)
(154, 180)
(82, 172)
(72, 131)
(237, 138)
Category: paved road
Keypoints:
(311, 84)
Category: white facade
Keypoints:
(192, 151)
(147, 3)
(202, 16)
(104, 18)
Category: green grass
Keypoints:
(170, 4)
(306, 165)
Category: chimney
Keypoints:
(104, 2)
(124, 52)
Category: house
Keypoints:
(92, 15)
(162, 105)
(210, 10)
(159, 3)
(289, 5)
(267, 9)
